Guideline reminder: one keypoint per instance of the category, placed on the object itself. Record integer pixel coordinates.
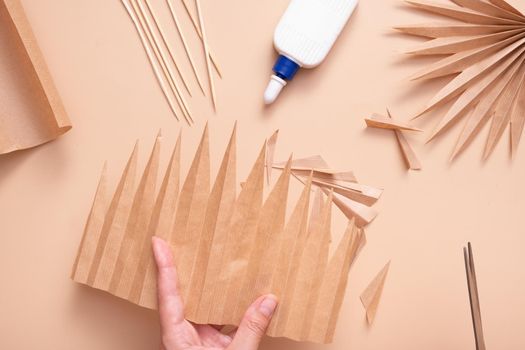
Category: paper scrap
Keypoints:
(409, 156)
(372, 294)
(380, 122)
(353, 199)
(32, 112)
(229, 248)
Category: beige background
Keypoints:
(425, 217)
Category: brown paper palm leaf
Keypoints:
(484, 45)
(229, 248)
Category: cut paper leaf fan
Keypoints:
(225, 244)
(485, 53)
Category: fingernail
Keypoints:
(268, 305)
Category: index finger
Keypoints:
(170, 304)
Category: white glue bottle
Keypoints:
(304, 36)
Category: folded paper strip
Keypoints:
(485, 54)
(228, 248)
(31, 111)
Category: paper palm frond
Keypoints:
(484, 47)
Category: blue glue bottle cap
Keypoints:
(284, 70)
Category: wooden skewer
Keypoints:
(165, 42)
(153, 37)
(151, 59)
(184, 43)
(199, 33)
(156, 49)
(207, 54)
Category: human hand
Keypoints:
(180, 334)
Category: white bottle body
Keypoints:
(309, 28)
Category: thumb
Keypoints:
(254, 323)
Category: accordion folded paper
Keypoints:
(485, 53)
(31, 112)
(228, 248)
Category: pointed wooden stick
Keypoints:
(165, 42)
(150, 55)
(199, 33)
(438, 30)
(146, 26)
(207, 54)
(184, 44)
(459, 13)
(502, 112)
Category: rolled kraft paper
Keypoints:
(31, 112)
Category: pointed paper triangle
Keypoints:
(191, 210)
(502, 112)
(115, 223)
(291, 246)
(243, 227)
(482, 112)
(135, 236)
(517, 120)
(92, 230)
(160, 226)
(269, 228)
(372, 295)
(207, 263)
(270, 150)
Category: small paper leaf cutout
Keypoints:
(372, 294)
